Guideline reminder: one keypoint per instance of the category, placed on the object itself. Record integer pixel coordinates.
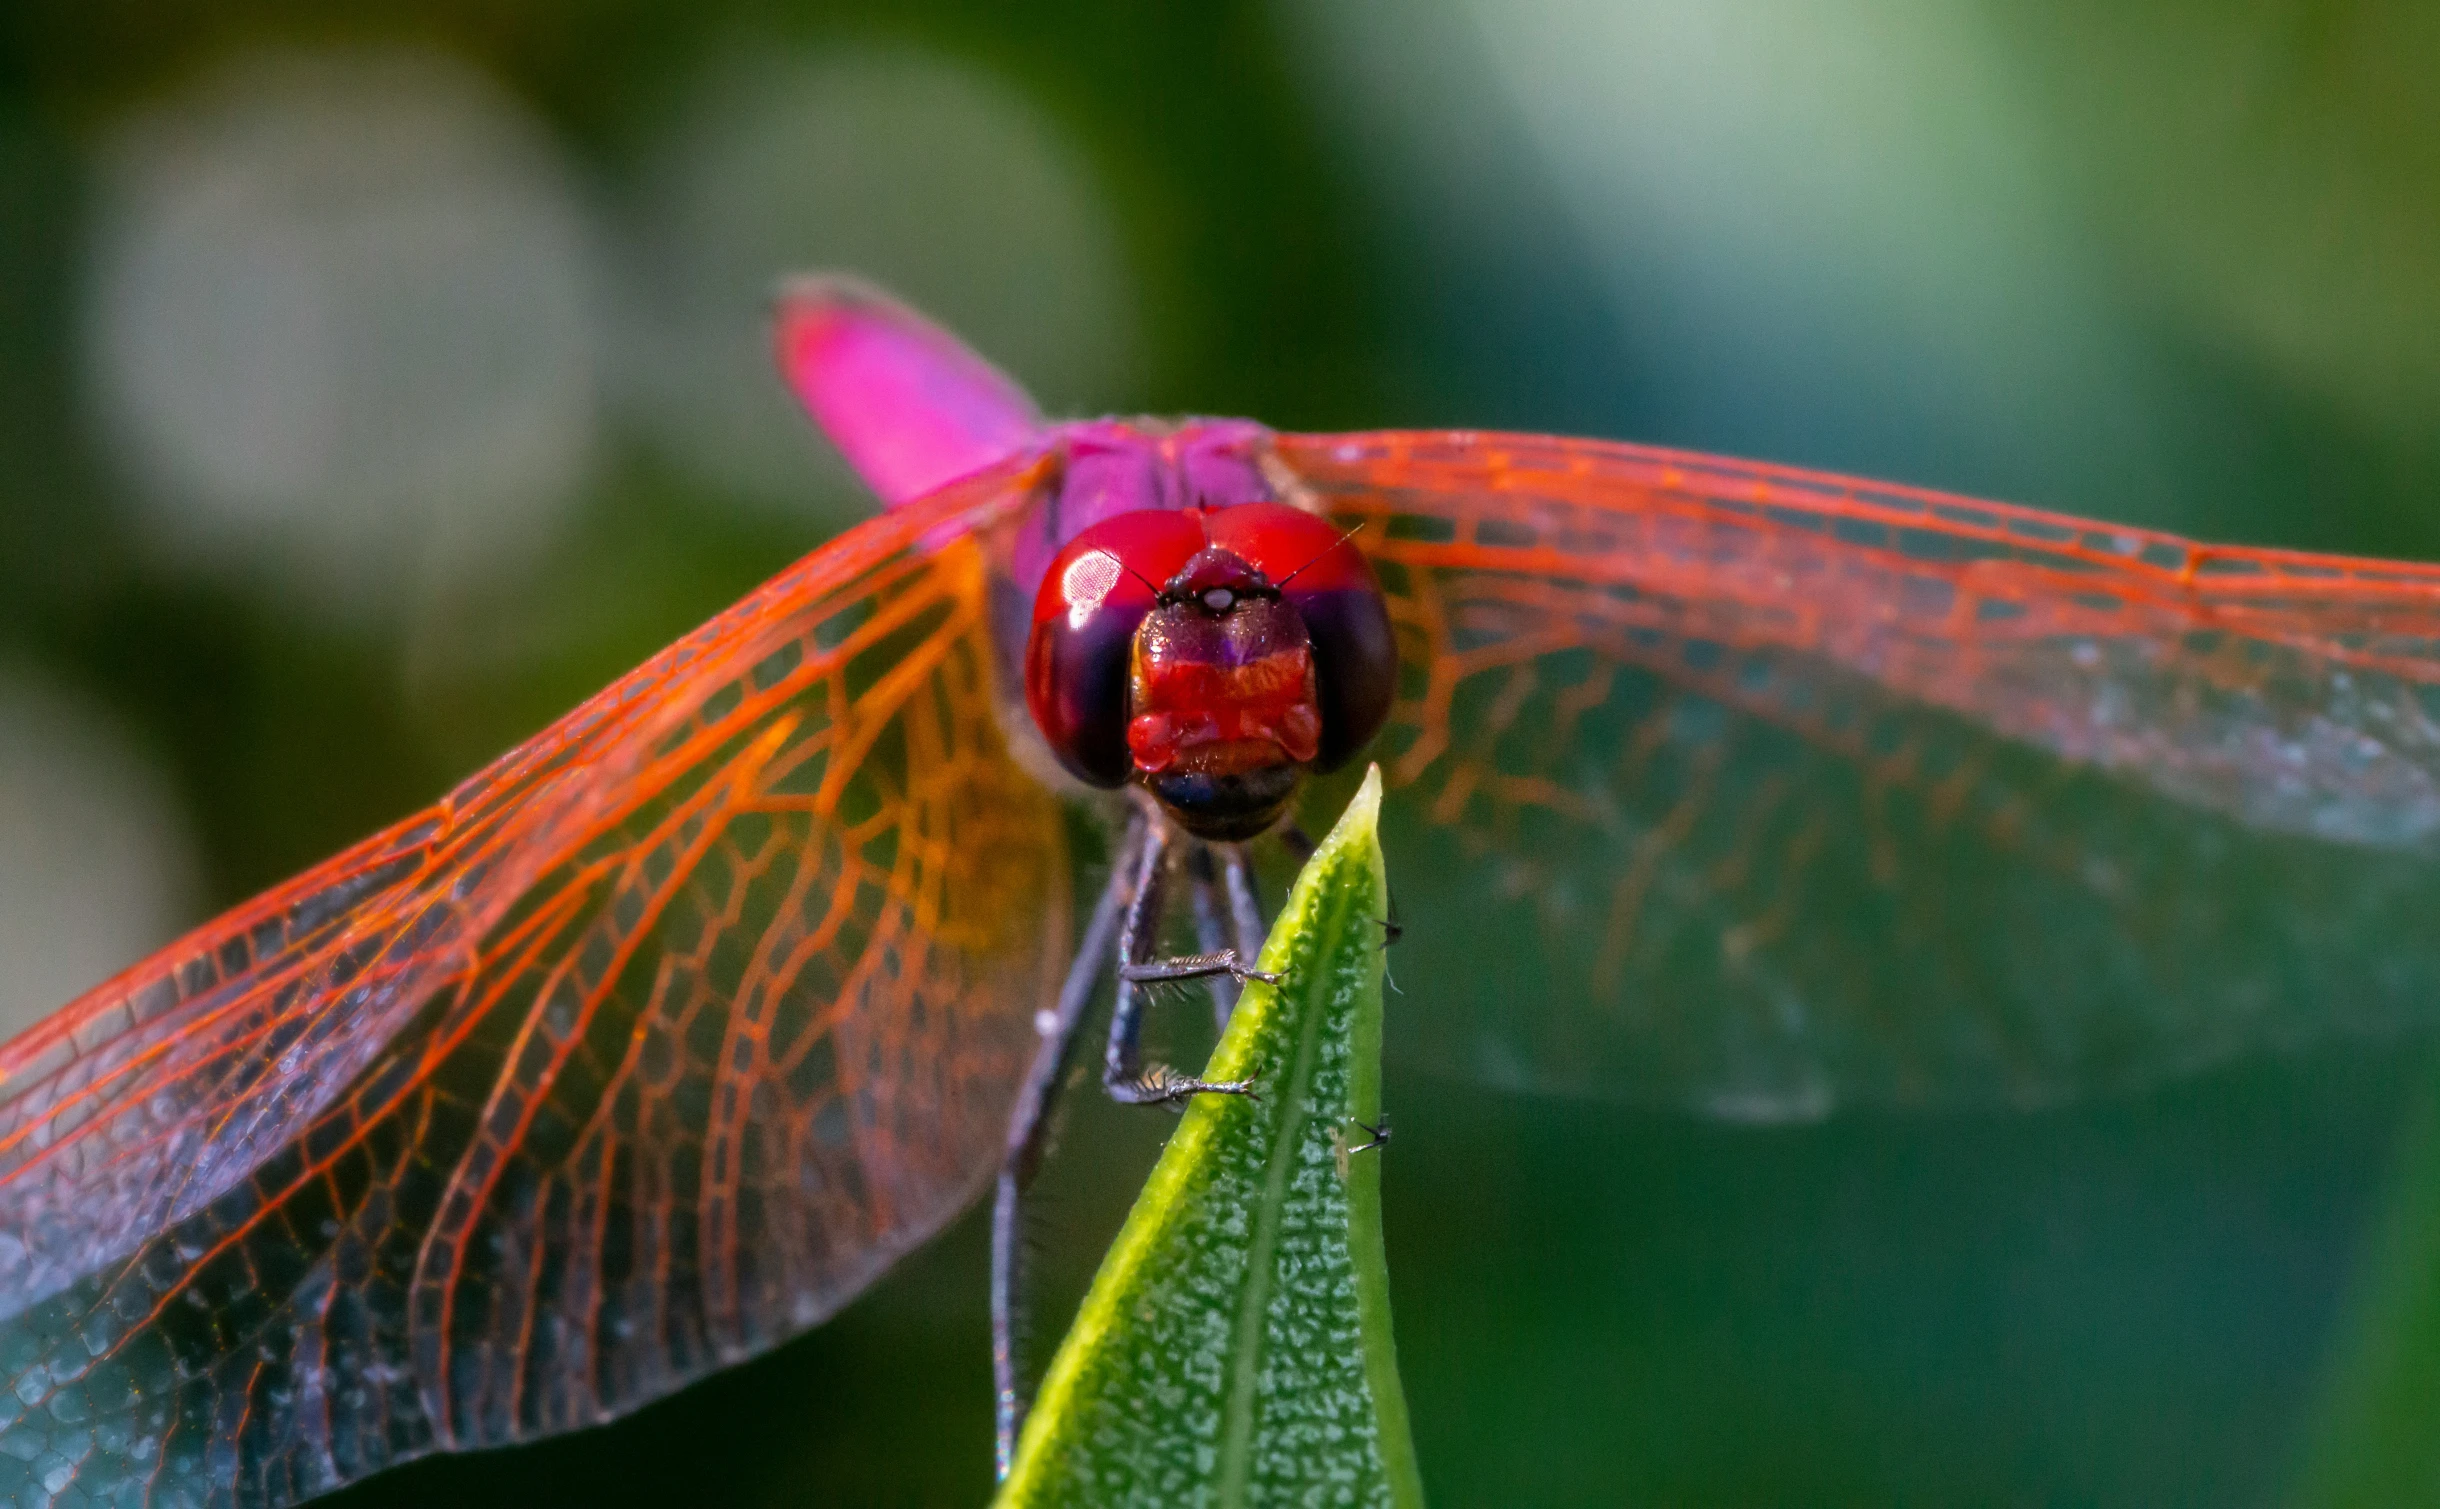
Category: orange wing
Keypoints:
(1794, 789)
(648, 1047)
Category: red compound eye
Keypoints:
(1107, 580)
(1318, 569)
(1097, 591)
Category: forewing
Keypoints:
(1762, 790)
(649, 1047)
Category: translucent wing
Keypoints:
(1762, 790)
(648, 1047)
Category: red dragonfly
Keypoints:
(1745, 788)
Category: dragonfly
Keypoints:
(1730, 786)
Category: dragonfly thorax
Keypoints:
(1213, 656)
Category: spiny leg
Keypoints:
(1029, 1125)
(1123, 1072)
(1223, 965)
(1131, 901)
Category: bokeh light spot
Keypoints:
(928, 176)
(342, 313)
(95, 863)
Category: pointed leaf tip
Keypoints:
(1236, 1345)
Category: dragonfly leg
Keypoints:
(1029, 1127)
(1346, 1150)
(1124, 1073)
(1211, 934)
(1391, 931)
(1378, 1134)
(1245, 907)
(1223, 965)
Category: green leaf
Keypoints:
(1235, 1348)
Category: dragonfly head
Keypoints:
(1213, 656)
(1224, 714)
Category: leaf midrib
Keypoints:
(1237, 1428)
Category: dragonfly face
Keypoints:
(1212, 655)
(1726, 786)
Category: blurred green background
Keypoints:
(376, 381)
